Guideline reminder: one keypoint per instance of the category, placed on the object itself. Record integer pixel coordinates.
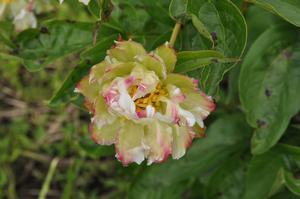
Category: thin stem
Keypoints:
(48, 179)
(175, 33)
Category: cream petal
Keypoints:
(107, 134)
(182, 139)
(158, 138)
(129, 145)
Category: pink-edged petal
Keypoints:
(175, 93)
(168, 55)
(185, 83)
(153, 63)
(182, 139)
(107, 134)
(158, 141)
(126, 51)
(129, 145)
(199, 104)
(101, 114)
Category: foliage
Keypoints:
(245, 54)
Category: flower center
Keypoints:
(149, 99)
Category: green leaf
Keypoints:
(289, 10)
(228, 182)
(227, 26)
(264, 176)
(100, 8)
(292, 182)
(178, 9)
(224, 139)
(192, 60)
(90, 57)
(55, 39)
(269, 79)
(202, 29)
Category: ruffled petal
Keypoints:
(168, 55)
(186, 84)
(148, 81)
(182, 139)
(153, 63)
(198, 103)
(129, 145)
(158, 141)
(126, 51)
(90, 90)
(97, 72)
(117, 70)
(107, 134)
(101, 114)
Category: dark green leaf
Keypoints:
(192, 60)
(202, 29)
(268, 82)
(292, 182)
(289, 10)
(179, 9)
(264, 176)
(228, 29)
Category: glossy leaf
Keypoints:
(268, 82)
(289, 10)
(228, 29)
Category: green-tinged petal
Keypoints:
(129, 144)
(168, 55)
(107, 134)
(185, 83)
(126, 51)
(118, 70)
(153, 63)
(90, 90)
(199, 104)
(182, 139)
(158, 141)
(97, 71)
(101, 114)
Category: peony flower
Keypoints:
(140, 106)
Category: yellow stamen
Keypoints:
(149, 99)
(6, 1)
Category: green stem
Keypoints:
(47, 182)
(175, 33)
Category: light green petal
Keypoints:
(107, 134)
(196, 100)
(118, 70)
(97, 71)
(153, 63)
(168, 55)
(158, 137)
(90, 90)
(129, 145)
(182, 139)
(126, 51)
(185, 83)
(101, 114)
